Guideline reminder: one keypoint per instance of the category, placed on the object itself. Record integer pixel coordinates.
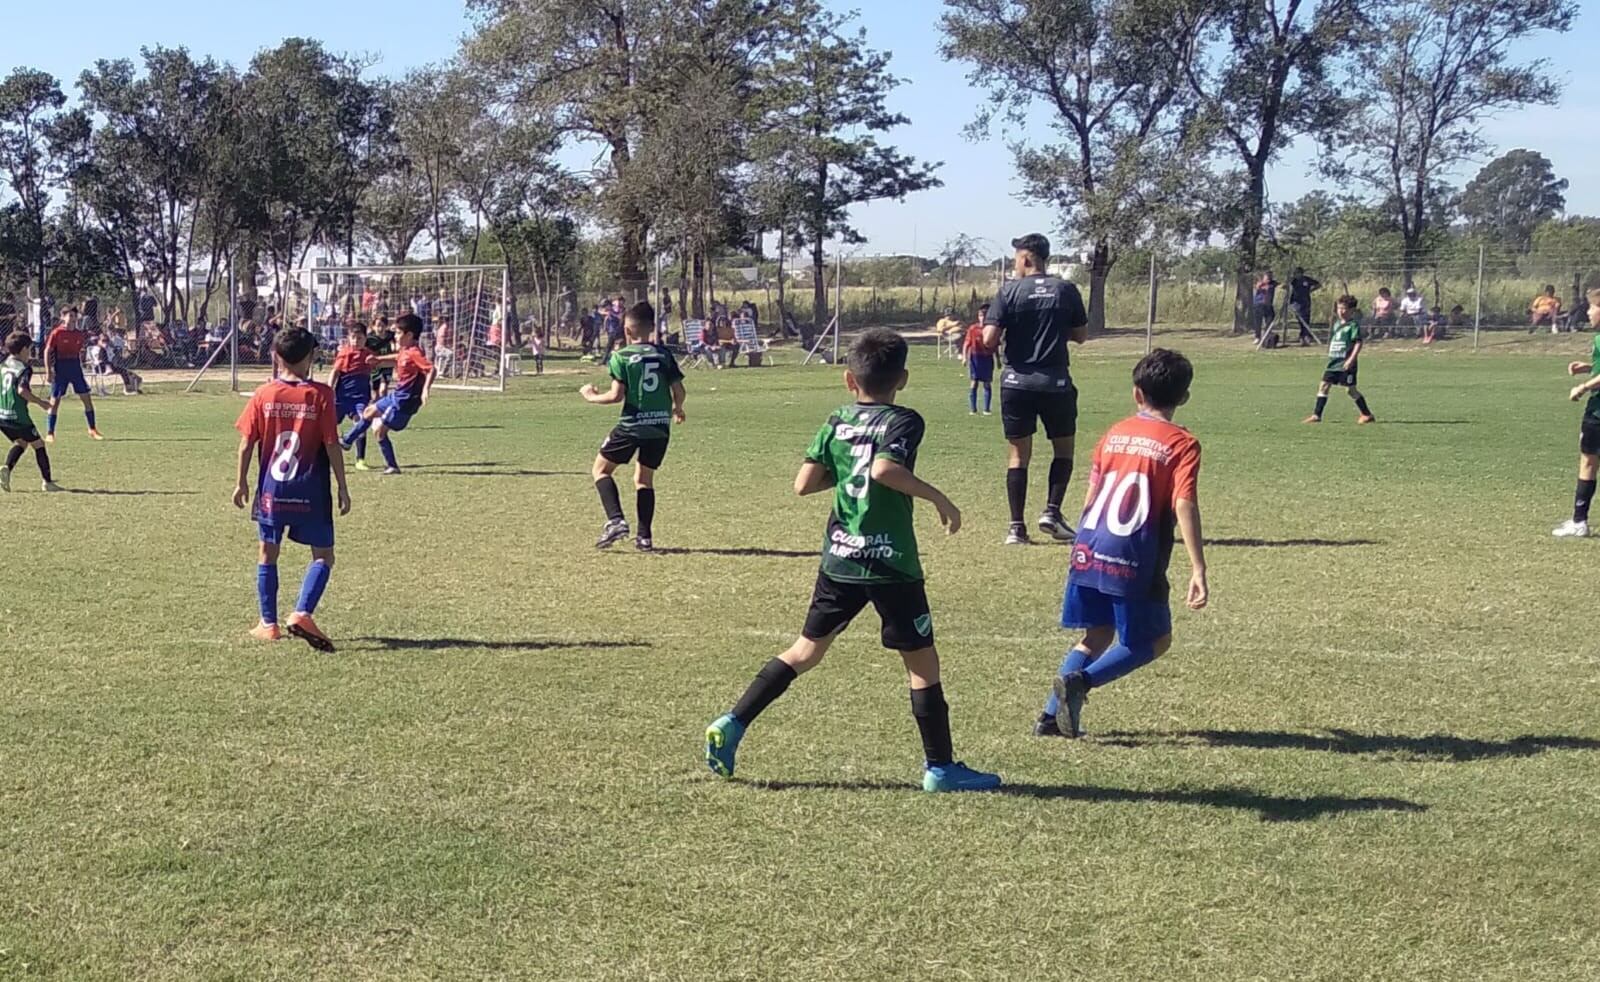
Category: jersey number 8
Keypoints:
(1115, 494)
(285, 456)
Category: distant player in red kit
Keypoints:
(413, 380)
(1143, 486)
(291, 425)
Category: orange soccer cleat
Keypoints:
(306, 629)
(95, 435)
(1364, 420)
(266, 632)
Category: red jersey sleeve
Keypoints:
(50, 342)
(341, 361)
(249, 423)
(1186, 472)
(420, 360)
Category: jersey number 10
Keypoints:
(1115, 495)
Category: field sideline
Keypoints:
(1377, 756)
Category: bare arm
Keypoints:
(28, 396)
(1355, 352)
(241, 487)
(1189, 525)
(1079, 334)
(336, 461)
(899, 478)
(610, 397)
(679, 394)
(427, 384)
(812, 478)
(991, 336)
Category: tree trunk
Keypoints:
(1249, 247)
(819, 283)
(697, 285)
(1100, 261)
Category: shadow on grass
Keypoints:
(527, 644)
(1248, 543)
(1425, 422)
(1433, 746)
(124, 493)
(769, 553)
(468, 463)
(1269, 807)
(505, 473)
(486, 426)
(169, 439)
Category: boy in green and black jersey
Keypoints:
(646, 379)
(867, 452)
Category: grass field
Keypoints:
(1376, 756)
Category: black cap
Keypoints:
(1035, 243)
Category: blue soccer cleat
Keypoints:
(957, 777)
(722, 742)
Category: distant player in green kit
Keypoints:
(16, 391)
(1344, 347)
(867, 452)
(646, 379)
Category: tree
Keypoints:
(1511, 196)
(1433, 69)
(34, 130)
(829, 96)
(1263, 81)
(1112, 77)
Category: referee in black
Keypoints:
(1034, 317)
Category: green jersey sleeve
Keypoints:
(817, 453)
(618, 367)
(901, 439)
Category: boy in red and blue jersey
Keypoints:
(1144, 485)
(63, 365)
(354, 370)
(413, 380)
(290, 425)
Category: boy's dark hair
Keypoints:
(294, 345)
(355, 327)
(1349, 301)
(876, 360)
(409, 324)
(1163, 376)
(641, 316)
(17, 343)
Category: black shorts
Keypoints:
(27, 434)
(1021, 410)
(620, 447)
(1341, 377)
(1589, 435)
(902, 607)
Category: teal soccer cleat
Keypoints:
(957, 777)
(722, 742)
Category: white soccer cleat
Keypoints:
(1571, 530)
(52, 486)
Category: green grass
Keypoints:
(1373, 758)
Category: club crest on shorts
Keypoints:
(924, 625)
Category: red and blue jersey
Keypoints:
(354, 366)
(411, 369)
(1142, 467)
(293, 422)
(65, 343)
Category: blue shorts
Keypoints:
(394, 414)
(349, 410)
(980, 369)
(317, 535)
(1137, 621)
(68, 373)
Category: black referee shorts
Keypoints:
(1023, 410)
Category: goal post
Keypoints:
(463, 311)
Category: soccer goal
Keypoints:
(463, 311)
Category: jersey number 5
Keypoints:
(285, 456)
(1115, 495)
(860, 470)
(649, 381)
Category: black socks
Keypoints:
(1580, 501)
(1361, 404)
(646, 501)
(933, 721)
(42, 456)
(609, 498)
(770, 683)
(1322, 403)
(14, 456)
(1017, 492)
(1060, 475)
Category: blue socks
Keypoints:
(267, 593)
(972, 398)
(50, 423)
(1073, 662)
(361, 447)
(88, 414)
(311, 587)
(988, 396)
(388, 452)
(356, 432)
(1118, 661)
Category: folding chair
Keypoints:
(750, 343)
(693, 349)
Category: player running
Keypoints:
(1344, 347)
(290, 425)
(16, 425)
(867, 452)
(1143, 483)
(413, 381)
(355, 368)
(63, 366)
(980, 365)
(1035, 315)
(646, 379)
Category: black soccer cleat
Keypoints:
(614, 532)
(1046, 726)
(643, 544)
(1018, 535)
(1052, 524)
(1072, 690)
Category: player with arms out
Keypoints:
(1588, 432)
(16, 424)
(1143, 485)
(1033, 317)
(289, 424)
(1344, 347)
(63, 366)
(646, 379)
(413, 381)
(355, 369)
(867, 452)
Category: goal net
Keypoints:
(463, 311)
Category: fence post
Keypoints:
(838, 300)
(1150, 322)
(233, 327)
(1477, 315)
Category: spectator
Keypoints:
(144, 308)
(949, 331)
(1434, 328)
(1413, 312)
(1301, 287)
(444, 347)
(1545, 309)
(536, 349)
(586, 330)
(747, 311)
(1266, 303)
(197, 339)
(727, 350)
(1383, 310)
(612, 329)
(369, 300)
(1458, 316)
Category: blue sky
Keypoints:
(979, 193)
